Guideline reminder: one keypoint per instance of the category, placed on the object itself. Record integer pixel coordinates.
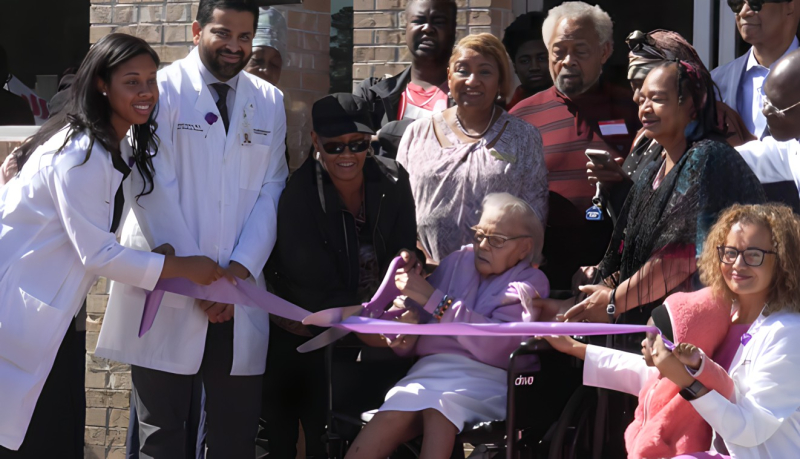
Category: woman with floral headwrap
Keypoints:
(648, 51)
(665, 218)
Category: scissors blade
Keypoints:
(328, 317)
(325, 338)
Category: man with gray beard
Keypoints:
(579, 112)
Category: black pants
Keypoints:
(59, 419)
(294, 392)
(164, 400)
(195, 435)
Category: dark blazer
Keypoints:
(315, 261)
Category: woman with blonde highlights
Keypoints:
(752, 258)
(457, 157)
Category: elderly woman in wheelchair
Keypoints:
(461, 380)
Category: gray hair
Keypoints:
(579, 10)
(510, 204)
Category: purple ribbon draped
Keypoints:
(378, 326)
(221, 291)
(247, 294)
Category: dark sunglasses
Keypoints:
(755, 5)
(336, 148)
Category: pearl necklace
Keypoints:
(475, 136)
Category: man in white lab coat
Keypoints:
(777, 158)
(221, 170)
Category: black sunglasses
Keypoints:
(336, 148)
(755, 5)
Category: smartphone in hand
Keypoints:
(599, 157)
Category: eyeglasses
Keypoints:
(752, 256)
(495, 240)
(770, 110)
(755, 5)
(335, 148)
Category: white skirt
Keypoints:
(465, 391)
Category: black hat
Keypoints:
(339, 114)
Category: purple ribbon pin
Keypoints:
(211, 118)
(746, 338)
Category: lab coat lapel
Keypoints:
(742, 356)
(205, 101)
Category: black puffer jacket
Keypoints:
(315, 261)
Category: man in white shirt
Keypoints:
(777, 158)
(220, 172)
(770, 27)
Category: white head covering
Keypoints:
(271, 31)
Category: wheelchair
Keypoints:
(534, 403)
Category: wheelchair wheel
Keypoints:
(574, 432)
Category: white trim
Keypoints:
(702, 31)
(16, 133)
(727, 34)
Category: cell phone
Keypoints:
(599, 157)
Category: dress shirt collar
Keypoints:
(752, 62)
(210, 79)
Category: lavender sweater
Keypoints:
(504, 297)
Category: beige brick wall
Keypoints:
(379, 32)
(166, 25)
(108, 387)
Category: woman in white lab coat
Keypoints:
(752, 256)
(57, 223)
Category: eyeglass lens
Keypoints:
(495, 241)
(751, 257)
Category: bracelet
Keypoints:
(611, 309)
(443, 306)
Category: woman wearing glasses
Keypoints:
(342, 218)
(457, 157)
(751, 257)
(462, 380)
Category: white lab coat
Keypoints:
(215, 195)
(764, 422)
(773, 161)
(54, 243)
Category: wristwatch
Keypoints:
(691, 393)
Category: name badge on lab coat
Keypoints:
(246, 134)
(612, 127)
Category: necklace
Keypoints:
(475, 136)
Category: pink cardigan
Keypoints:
(504, 297)
(664, 425)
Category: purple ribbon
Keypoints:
(221, 291)
(247, 294)
(377, 326)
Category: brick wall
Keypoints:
(379, 32)
(166, 25)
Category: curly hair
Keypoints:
(785, 229)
